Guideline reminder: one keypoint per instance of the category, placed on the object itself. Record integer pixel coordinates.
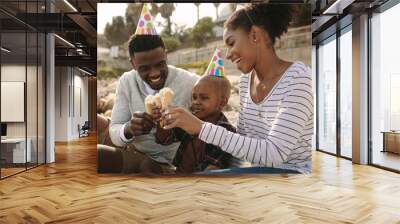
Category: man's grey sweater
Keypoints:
(130, 98)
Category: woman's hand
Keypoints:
(182, 118)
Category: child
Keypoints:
(209, 96)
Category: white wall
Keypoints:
(82, 83)
(68, 83)
(61, 103)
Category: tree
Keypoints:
(155, 9)
(202, 32)
(182, 33)
(171, 43)
(198, 10)
(216, 5)
(116, 32)
(166, 11)
(132, 15)
(102, 41)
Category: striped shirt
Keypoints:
(277, 132)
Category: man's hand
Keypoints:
(140, 124)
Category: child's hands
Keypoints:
(163, 136)
(156, 114)
(163, 120)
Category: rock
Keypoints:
(108, 113)
(101, 105)
(227, 108)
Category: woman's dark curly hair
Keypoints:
(273, 18)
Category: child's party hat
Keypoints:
(216, 66)
(145, 24)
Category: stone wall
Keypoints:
(294, 45)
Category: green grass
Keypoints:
(200, 66)
(105, 72)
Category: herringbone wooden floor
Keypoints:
(70, 191)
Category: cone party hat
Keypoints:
(145, 24)
(216, 66)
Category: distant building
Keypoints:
(223, 14)
(114, 52)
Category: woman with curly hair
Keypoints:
(276, 122)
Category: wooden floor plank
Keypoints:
(70, 191)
